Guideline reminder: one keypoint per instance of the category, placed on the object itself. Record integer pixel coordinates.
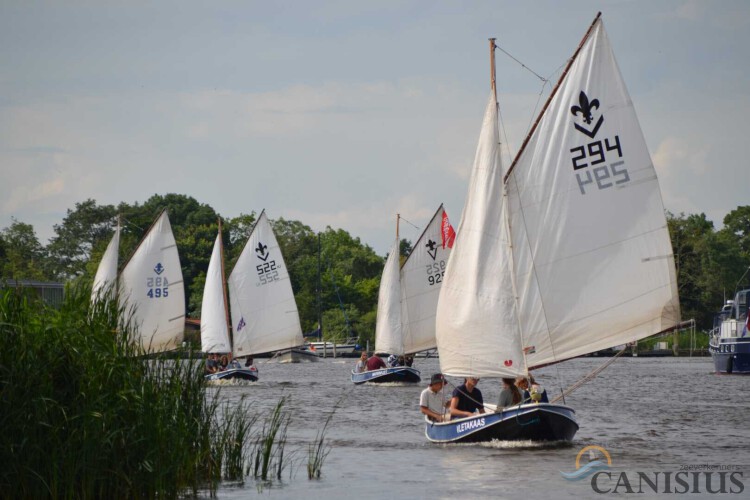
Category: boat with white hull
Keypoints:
(729, 344)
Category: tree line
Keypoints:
(710, 263)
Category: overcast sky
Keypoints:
(341, 113)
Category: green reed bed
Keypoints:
(85, 415)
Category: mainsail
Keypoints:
(106, 273)
(593, 261)
(214, 328)
(151, 287)
(421, 280)
(264, 312)
(477, 328)
(388, 337)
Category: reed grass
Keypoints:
(86, 415)
(270, 443)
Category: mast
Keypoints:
(551, 96)
(143, 238)
(493, 79)
(224, 289)
(318, 292)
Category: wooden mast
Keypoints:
(224, 290)
(552, 94)
(493, 85)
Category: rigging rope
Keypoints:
(522, 64)
(587, 378)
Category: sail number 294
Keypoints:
(435, 272)
(157, 287)
(594, 155)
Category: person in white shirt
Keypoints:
(361, 365)
(432, 401)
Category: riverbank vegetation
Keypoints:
(86, 415)
(710, 262)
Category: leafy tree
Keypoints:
(81, 231)
(737, 222)
(24, 257)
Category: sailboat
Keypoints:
(407, 300)
(564, 253)
(215, 326)
(106, 274)
(152, 290)
(264, 312)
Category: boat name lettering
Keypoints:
(157, 287)
(471, 424)
(379, 373)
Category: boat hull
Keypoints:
(396, 374)
(326, 348)
(234, 374)
(294, 356)
(731, 355)
(530, 422)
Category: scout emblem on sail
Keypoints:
(597, 152)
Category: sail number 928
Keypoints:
(157, 287)
(435, 272)
(267, 272)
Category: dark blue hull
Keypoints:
(530, 422)
(731, 355)
(234, 374)
(396, 374)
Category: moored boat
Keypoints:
(729, 344)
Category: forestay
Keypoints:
(106, 273)
(592, 256)
(151, 288)
(421, 279)
(388, 338)
(214, 328)
(477, 328)
(264, 312)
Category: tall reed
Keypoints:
(86, 415)
(270, 444)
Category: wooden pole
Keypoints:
(493, 75)
(224, 290)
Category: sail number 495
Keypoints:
(602, 176)
(157, 287)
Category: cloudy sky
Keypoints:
(341, 112)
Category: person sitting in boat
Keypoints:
(432, 401)
(212, 363)
(223, 362)
(249, 364)
(510, 395)
(392, 360)
(537, 392)
(523, 385)
(234, 363)
(375, 363)
(467, 399)
(361, 365)
(409, 360)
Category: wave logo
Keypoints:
(599, 459)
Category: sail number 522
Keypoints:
(267, 272)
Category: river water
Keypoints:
(650, 414)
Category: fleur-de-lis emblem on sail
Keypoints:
(585, 108)
(431, 248)
(158, 269)
(261, 250)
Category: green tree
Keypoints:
(83, 228)
(737, 222)
(24, 256)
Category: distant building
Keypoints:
(51, 293)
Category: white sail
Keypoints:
(388, 337)
(106, 273)
(593, 260)
(477, 327)
(264, 312)
(421, 279)
(151, 287)
(214, 329)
